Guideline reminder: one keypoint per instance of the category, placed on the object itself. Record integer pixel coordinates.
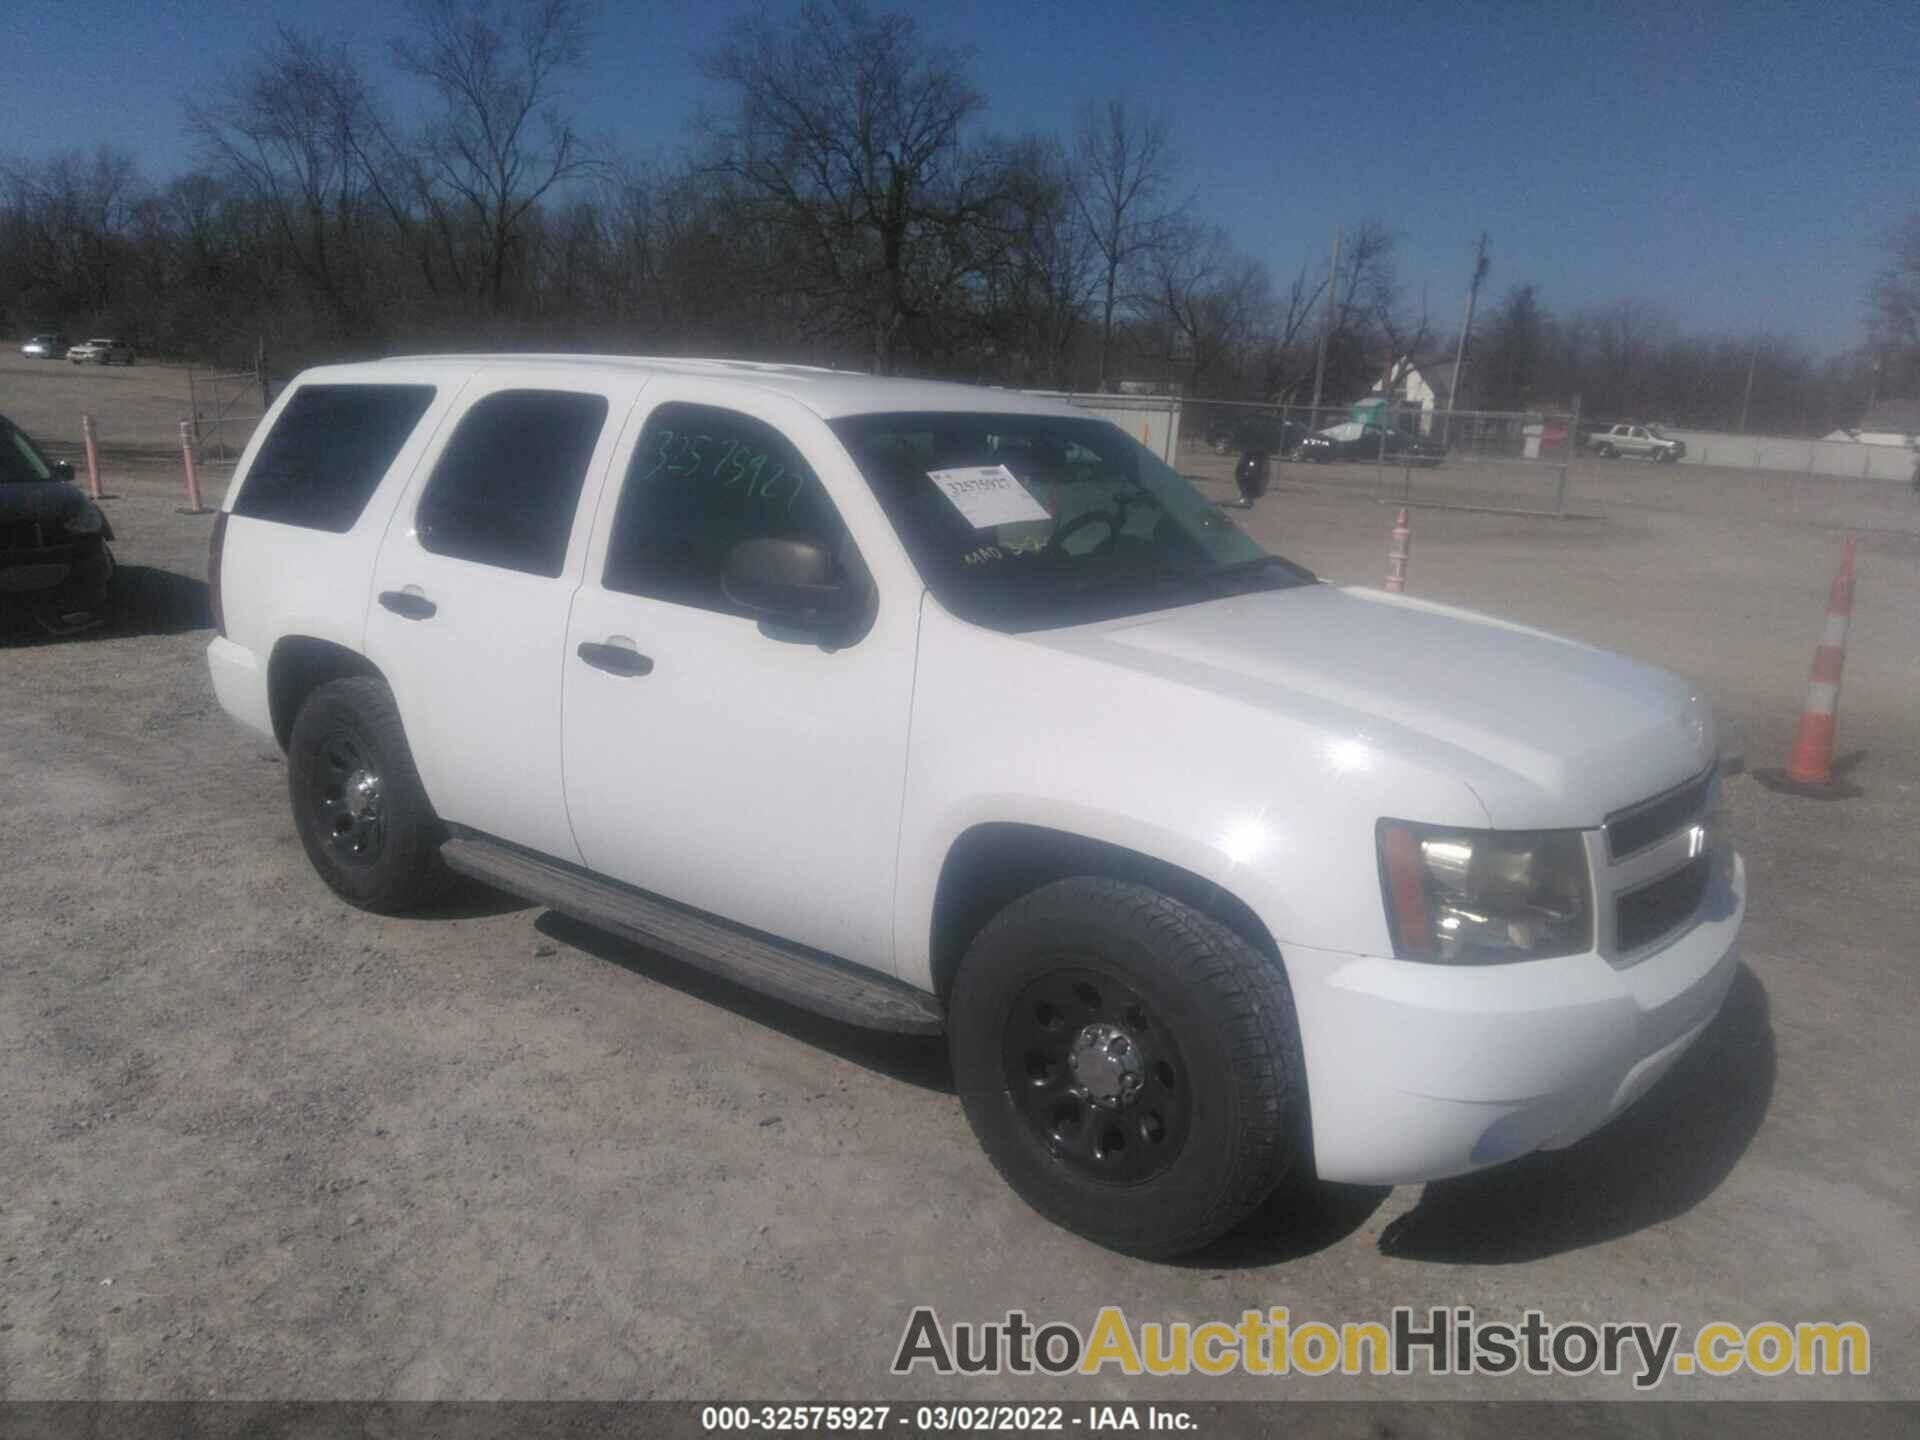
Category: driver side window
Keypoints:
(702, 480)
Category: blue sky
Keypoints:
(1735, 162)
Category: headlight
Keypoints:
(82, 522)
(1484, 897)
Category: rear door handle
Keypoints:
(621, 660)
(408, 605)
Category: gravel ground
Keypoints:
(257, 1144)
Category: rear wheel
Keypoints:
(1131, 1067)
(362, 813)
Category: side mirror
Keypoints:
(63, 470)
(786, 580)
(1252, 476)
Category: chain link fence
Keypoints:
(1375, 448)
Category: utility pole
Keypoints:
(1746, 401)
(1326, 330)
(1480, 264)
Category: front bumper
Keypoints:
(64, 577)
(1417, 1072)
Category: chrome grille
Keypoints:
(1633, 829)
(1643, 915)
(1654, 867)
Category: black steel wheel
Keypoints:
(363, 815)
(1099, 1080)
(1130, 1066)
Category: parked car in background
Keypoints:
(100, 351)
(1610, 442)
(45, 347)
(1239, 434)
(934, 708)
(54, 560)
(1354, 440)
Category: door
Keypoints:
(471, 589)
(714, 759)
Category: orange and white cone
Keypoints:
(1812, 759)
(1398, 546)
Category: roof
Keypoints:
(1436, 375)
(828, 393)
(1892, 417)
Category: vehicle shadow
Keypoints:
(1302, 1217)
(142, 601)
(916, 1059)
(468, 899)
(1654, 1162)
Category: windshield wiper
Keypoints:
(1265, 572)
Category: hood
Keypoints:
(1548, 732)
(44, 502)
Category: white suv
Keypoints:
(940, 708)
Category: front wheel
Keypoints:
(362, 813)
(1131, 1067)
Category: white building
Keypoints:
(1426, 389)
(1887, 422)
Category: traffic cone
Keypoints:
(1398, 548)
(1810, 768)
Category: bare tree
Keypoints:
(1037, 297)
(500, 142)
(285, 133)
(1124, 160)
(847, 144)
(1515, 349)
(72, 216)
(1894, 310)
(1210, 298)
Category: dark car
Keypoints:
(1354, 440)
(45, 347)
(54, 561)
(1243, 434)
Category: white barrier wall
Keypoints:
(1153, 420)
(1802, 457)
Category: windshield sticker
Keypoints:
(988, 495)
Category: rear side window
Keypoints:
(505, 488)
(328, 452)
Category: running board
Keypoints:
(811, 981)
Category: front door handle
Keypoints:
(615, 659)
(408, 605)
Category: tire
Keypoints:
(1202, 1113)
(377, 846)
(1607, 452)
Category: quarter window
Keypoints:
(701, 481)
(506, 487)
(328, 452)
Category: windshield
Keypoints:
(1024, 522)
(21, 462)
